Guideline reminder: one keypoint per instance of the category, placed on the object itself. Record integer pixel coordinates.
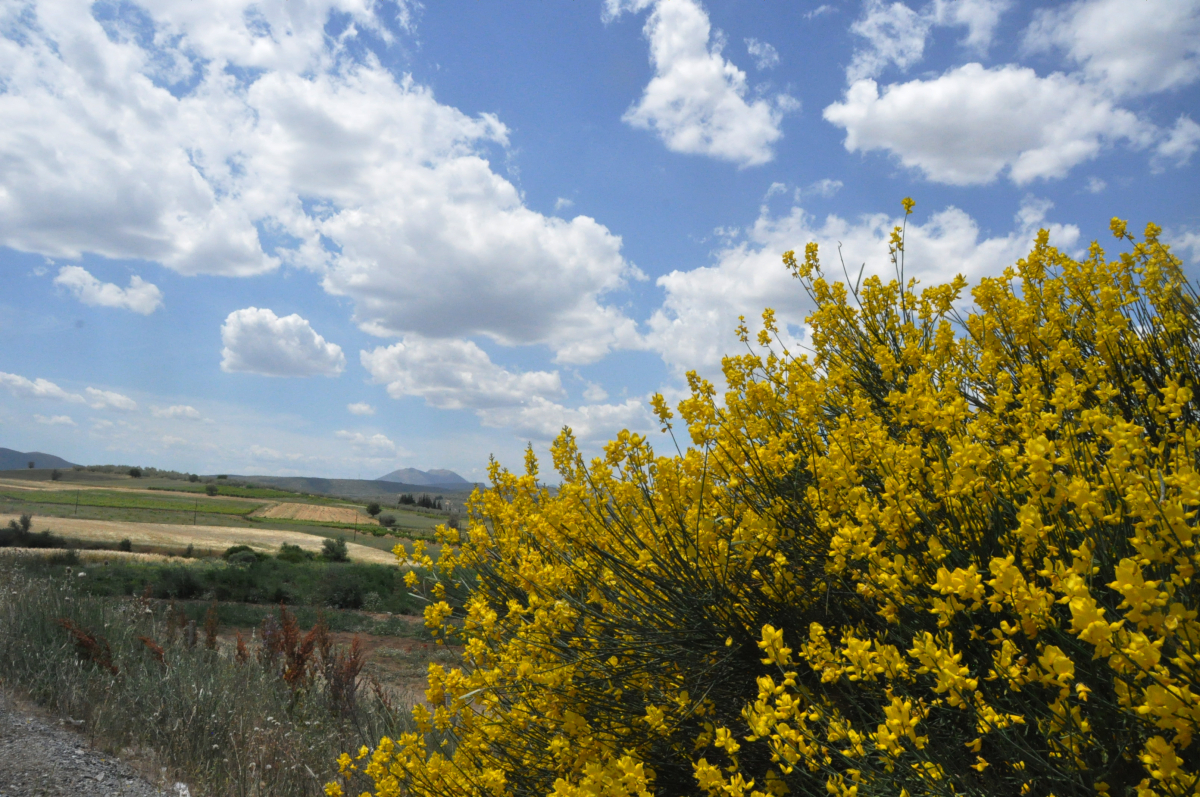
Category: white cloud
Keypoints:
(100, 423)
(594, 393)
(1127, 47)
(971, 124)
(895, 34)
(140, 297)
(1179, 144)
(375, 445)
(172, 440)
(454, 374)
(108, 400)
(562, 203)
(695, 326)
(259, 342)
(696, 101)
(765, 55)
(820, 11)
(360, 408)
(1095, 185)
(457, 374)
(21, 387)
(822, 188)
(181, 411)
(247, 116)
(980, 17)
(55, 420)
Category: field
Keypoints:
(210, 540)
(321, 514)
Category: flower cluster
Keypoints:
(947, 552)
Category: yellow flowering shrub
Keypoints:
(944, 553)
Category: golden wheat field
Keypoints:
(322, 514)
(87, 556)
(206, 539)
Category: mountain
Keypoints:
(17, 460)
(424, 478)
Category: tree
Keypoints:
(55, 475)
(193, 477)
(946, 553)
(373, 508)
(31, 464)
(335, 551)
(211, 489)
(135, 473)
(387, 520)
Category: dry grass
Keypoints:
(169, 537)
(321, 514)
(17, 484)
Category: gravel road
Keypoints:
(38, 759)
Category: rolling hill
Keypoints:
(16, 460)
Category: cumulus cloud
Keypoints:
(972, 124)
(695, 326)
(458, 374)
(259, 342)
(54, 420)
(108, 400)
(696, 101)
(360, 408)
(1128, 48)
(375, 444)
(176, 133)
(765, 55)
(979, 17)
(21, 387)
(140, 297)
(180, 411)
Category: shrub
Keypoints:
(946, 554)
(387, 520)
(211, 489)
(125, 545)
(192, 477)
(135, 473)
(55, 475)
(294, 553)
(341, 589)
(334, 551)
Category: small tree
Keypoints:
(193, 478)
(335, 551)
(135, 473)
(387, 520)
(211, 489)
(55, 475)
(31, 464)
(373, 508)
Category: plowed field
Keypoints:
(321, 514)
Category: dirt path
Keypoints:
(38, 759)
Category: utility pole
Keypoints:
(195, 509)
(77, 502)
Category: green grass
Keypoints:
(269, 581)
(228, 727)
(120, 499)
(268, 493)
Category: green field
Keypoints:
(121, 499)
(266, 493)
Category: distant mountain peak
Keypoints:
(17, 460)
(423, 478)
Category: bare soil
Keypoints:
(321, 514)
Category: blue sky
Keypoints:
(337, 237)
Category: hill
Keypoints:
(355, 488)
(424, 478)
(15, 460)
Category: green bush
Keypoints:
(335, 551)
